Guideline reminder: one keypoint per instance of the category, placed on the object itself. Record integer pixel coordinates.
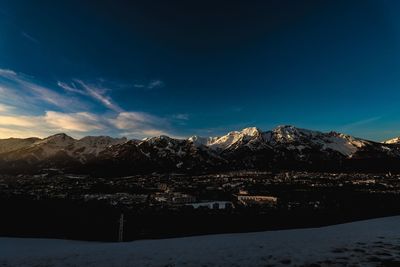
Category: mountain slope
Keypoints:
(12, 144)
(58, 149)
(299, 139)
(157, 154)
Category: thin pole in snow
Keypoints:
(121, 228)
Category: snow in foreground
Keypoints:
(366, 243)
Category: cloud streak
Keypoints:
(20, 121)
(78, 124)
(140, 124)
(151, 85)
(94, 92)
(98, 94)
(30, 38)
(181, 116)
(5, 108)
(28, 108)
(359, 123)
(50, 123)
(21, 90)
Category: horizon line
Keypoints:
(186, 138)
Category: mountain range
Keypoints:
(283, 148)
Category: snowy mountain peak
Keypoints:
(157, 139)
(198, 140)
(251, 131)
(395, 140)
(292, 129)
(228, 140)
(96, 144)
(298, 139)
(288, 133)
(246, 148)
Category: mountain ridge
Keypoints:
(248, 130)
(284, 147)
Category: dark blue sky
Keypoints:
(141, 68)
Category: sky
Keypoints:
(182, 68)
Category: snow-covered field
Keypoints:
(366, 243)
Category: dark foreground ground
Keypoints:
(80, 222)
(85, 208)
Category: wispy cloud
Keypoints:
(7, 73)
(22, 90)
(5, 108)
(71, 88)
(140, 124)
(13, 23)
(29, 37)
(362, 122)
(151, 85)
(28, 108)
(20, 121)
(130, 120)
(98, 93)
(95, 92)
(50, 123)
(6, 132)
(77, 122)
(155, 84)
(181, 116)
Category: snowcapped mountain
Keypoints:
(247, 137)
(288, 137)
(93, 145)
(299, 139)
(285, 147)
(395, 140)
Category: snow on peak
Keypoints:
(284, 135)
(198, 140)
(226, 141)
(395, 140)
(288, 133)
(96, 144)
(251, 131)
(342, 143)
(157, 139)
